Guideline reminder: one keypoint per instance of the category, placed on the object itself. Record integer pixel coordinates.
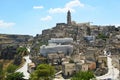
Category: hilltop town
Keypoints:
(71, 47)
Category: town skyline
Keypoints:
(33, 16)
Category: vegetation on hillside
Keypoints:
(11, 59)
(1, 71)
(83, 75)
(15, 76)
(8, 53)
(43, 72)
(22, 51)
(102, 36)
(11, 68)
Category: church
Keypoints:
(68, 20)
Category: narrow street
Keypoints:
(113, 72)
(25, 68)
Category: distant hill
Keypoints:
(9, 44)
(11, 39)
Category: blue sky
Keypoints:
(33, 16)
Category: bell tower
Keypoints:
(68, 17)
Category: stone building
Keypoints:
(55, 58)
(68, 18)
(68, 69)
(90, 38)
(102, 61)
(85, 67)
(66, 49)
(90, 53)
(91, 65)
(56, 45)
(61, 41)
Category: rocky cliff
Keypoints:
(8, 39)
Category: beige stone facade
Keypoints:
(68, 69)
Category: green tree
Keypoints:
(17, 60)
(102, 36)
(1, 67)
(22, 50)
(11, 68)
(43, 72)
(2, 72)
(2, 75)
(15, 76)
(83, 75)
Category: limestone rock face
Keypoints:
(8, 39)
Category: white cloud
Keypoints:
(47, 18)
(74, 3)
(4, 24)
(68, 6)
(116, 25)
(38, 7)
